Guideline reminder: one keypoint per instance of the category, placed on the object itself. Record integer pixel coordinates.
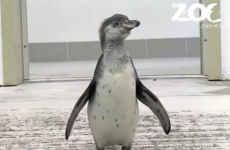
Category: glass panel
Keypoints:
(64, 39)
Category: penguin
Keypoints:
(115, 90)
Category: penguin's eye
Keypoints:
(116, 23)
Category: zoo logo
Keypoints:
(205, 12)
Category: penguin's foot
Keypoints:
(126, 148)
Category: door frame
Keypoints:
(203, 45)
(205, 53)
(26, 58)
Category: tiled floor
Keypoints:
(33, 116)
(158, 66)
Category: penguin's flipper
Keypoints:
(79, 105)
(152, 102)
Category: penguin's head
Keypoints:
(117, 27)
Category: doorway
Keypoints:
(63, 43)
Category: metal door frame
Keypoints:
(26, 57)
(203, 45)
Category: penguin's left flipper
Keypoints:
(79, 105)
(152, 102)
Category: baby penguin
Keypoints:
(115, 89)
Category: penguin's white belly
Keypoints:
(113, 113)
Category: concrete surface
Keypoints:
(157, 66)
(34, 116)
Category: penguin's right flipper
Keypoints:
(78, 107)
(88, 93)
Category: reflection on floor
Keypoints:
(158, 66)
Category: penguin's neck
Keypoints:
(115, 49)
(115, 56)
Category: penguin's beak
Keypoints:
(130, 24)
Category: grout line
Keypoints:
(146, 49)
(67, 48)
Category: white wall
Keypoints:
(1, 61)
(79, 20)
(225, 38)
